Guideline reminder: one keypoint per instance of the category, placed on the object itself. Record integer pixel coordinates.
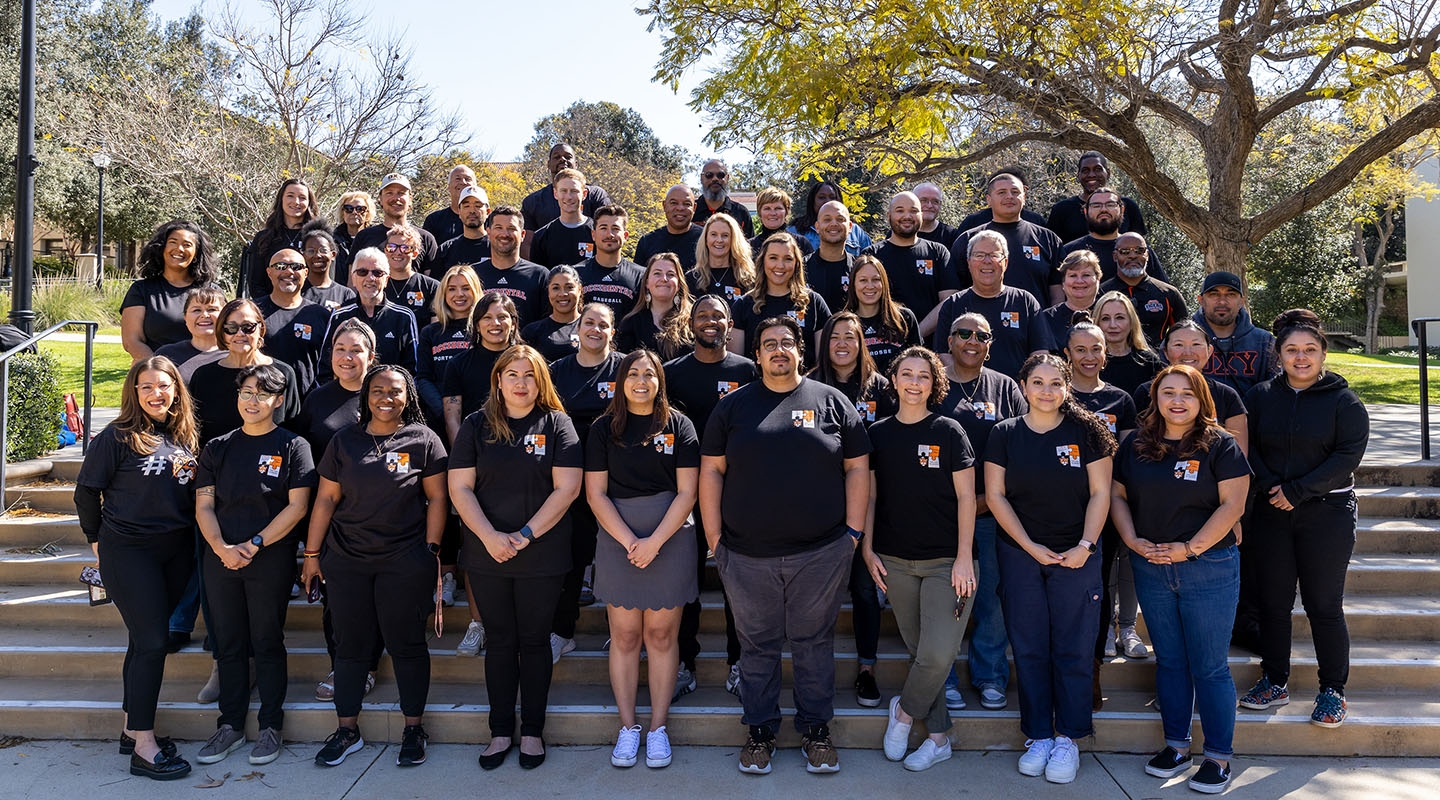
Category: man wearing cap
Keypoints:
(539, 208)
(472, 245)
(395, 206)
(678, 235)
(1159, 304)
(1067, 217)
(715, 181)
(445, 223)
(569, 238)
(1244, 355)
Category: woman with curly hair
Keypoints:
(660, 320)
(177, 258)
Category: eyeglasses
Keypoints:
(709, 175)
(232, 328)
(987, 256)
(349, 209)
(255, 397)
(965, 335)
(287, 266)
(1131, 251)
(1109, 204)
(367, 273)
(397, 247)
(771, 345)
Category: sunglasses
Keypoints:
(287, 266)
(709, 175)
(232, 328)
(368, 273)
(397, 247)
(354, 209)
(965, 335)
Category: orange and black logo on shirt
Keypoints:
(1069, 455)
(664, 443)
(803, 419)
(270, 465)
(1187, 470)
(535, 444)
(930, 456)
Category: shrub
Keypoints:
(33, 406)
(55, 301)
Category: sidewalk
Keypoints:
(57, 769)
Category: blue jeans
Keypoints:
(988, 642)
(1189, 610)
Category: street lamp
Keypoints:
(101, 160)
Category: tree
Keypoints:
(923, 86)
(502, 182)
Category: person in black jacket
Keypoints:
(295, 204)
(1308, 432)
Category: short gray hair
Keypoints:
(989, 236)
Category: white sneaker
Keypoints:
(928, 755)
(559, 646)
(1037, 754)
(897, 733)
(474, 640)
(657, 748)
(447, 589)
(627, 747)
(1064, 761)
(732, 681)
(953, 699)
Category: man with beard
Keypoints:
(1244, 354)
(679, 235)
(785, 550)
(1034, 250)
(470, 246)
(773, 206)
(294, 326)
(1105, 214)
(827, 270)
(695, 383)
(395, 206)
(447, 223)
(540, 207)
(1067, 217)
(608, 277)
(506, 272)
(919, 269)
(932, 198)
(1158, 304)
(715, 191)
(569, 238)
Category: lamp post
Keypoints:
(101, 160)
(21, 311)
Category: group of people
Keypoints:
(519, 404)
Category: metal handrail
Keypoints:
(1418, 325)
(90, 330)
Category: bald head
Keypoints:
(832, 223)
(679, 208)
(904, 218)
(286, 272)
(1132, 255)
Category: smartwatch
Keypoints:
(527, 533)
(1089, 546)
(257, 541)
(1190, 554)
(433, 548)
(857, 535)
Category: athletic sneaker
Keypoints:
(1211, 778)
(1168, 763)
(447, 589)
(627, 747)
(1329, 709)
(927, 755)
(1265, 694)
(224, 741)
(559, 646)
(992, 697)
(267, 747)
(657, 748)
(341, 743)
(867, 693)
(953, 699)
(1037, 755)
(1131, 645)
(820, 754)
(755, 755)
(473, 641)
(1064, 761)
(732, 681)
(684, 684)
(412, 747)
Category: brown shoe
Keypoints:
(820, 754)
(755, 755)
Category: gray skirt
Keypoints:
(669, 582)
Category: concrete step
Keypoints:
(1402, 536)
(1380, 724)
(53, 497)
(1418, 474)
(1398, 501)
(68, 469)
(31, 529)
(1393, 575)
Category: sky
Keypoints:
(570, 50)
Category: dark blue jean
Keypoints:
(988, 641)
(1052, 615)
(1189, 610)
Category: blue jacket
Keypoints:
(1244, 358)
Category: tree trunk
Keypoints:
(1225, 250)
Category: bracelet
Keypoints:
(527, 533)
(855, 534)
(309, 554)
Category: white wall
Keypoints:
(1422, 251)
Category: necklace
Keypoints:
(970, 395)
(380, 447)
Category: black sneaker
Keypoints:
(1211, 778)
(866, 692)
(412, 747)
(341, 743)
(1168, 763)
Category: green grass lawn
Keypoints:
(111, 364)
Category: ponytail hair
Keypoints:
(1097, 433)
(1082, 321)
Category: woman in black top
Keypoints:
(1309, 432)
(922, 514)
(467, 376)
(202, 309)
(1129, 360)
(321, 252)
(723, 265)
(555, 336)
(781, 291)
(177, 258)
(374, 539)
(517, 469)
(1047, 480)
(135, 497)
(357, 212)
(642, 469)
(1187, 343)
(446, 338)
(660, 320)
(246, 516)
(242, 336)
(888, 326)
(295, 204)
(1180, 487)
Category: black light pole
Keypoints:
(21, 312)
(101, 160)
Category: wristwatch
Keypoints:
(527, 533)
(1089, 546)
(433, 548)
(257, 540)
(855, 534)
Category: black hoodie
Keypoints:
(1307, 442)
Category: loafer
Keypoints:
(1168, 763)
(897, 733)
(494, 760)
(1211, 778)
(167, 745)
(164, 768)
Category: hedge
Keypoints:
(33, 406)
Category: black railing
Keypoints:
(90, 329)
(1418, 325)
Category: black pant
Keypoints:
(690, 614)
(327, 624)
(392, 594)
(517, 614)
(1311, 545)
(583, 529)
(146, 578)
(1108, 554)
(248, 607)
(865, 611)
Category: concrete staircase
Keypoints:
(60, 658)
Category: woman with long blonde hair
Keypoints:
(723, 264)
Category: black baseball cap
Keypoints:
(1221, 278)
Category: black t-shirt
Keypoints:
(142, 496)
(1104, 250)
(331, 297)
(642, 464)
(467, 377)
(943, 235)
(557, 243)
(877, 402)
(1228, 402)
(586, 391)
(1158, 304)
(914, 465)
(253, 476)
(440, 343)
(416, 293)
(661, 240)
(812, 320)
(984, 215)
(296, 336)
(918, 273)
(801, 438)
(883, 344)
(1172, 499)
(829, 279)
(381, 513)
(326, 411)
(377, 235)
(731, 206)
(555, 340)
(979, 405)
(540, 207)
(187, 358)
(215, 394)
(1046, 479)
(1132, 369)
(1014, 318)
(723, 282)
(512, 482)
(617, 286)
(396, 334)
(695, 386)
(444, 224)
(639, 330)
(1058, 319)
(1067, 219)
(1111, 404)
(1035, 252)
(255, 258)
(459, 250)
(524, 282)
(164, 305)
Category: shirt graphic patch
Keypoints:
(270, 465)
(866, 409)
(723, 388)
(1153, 306)
(606, 389)
(844, 282)
(925, 266)
(1010, 319)
(182, 466)
(1187, 470)
(803, 419)
(416, 299)
(1031, 251)
(398, 463)
(664, 443)
(586, 249)
(535, 443)
(797, 315)
(1069, 455)
(154, 464)
(930, 456)
(733, 293)
(1110, 420)
(984, 409)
